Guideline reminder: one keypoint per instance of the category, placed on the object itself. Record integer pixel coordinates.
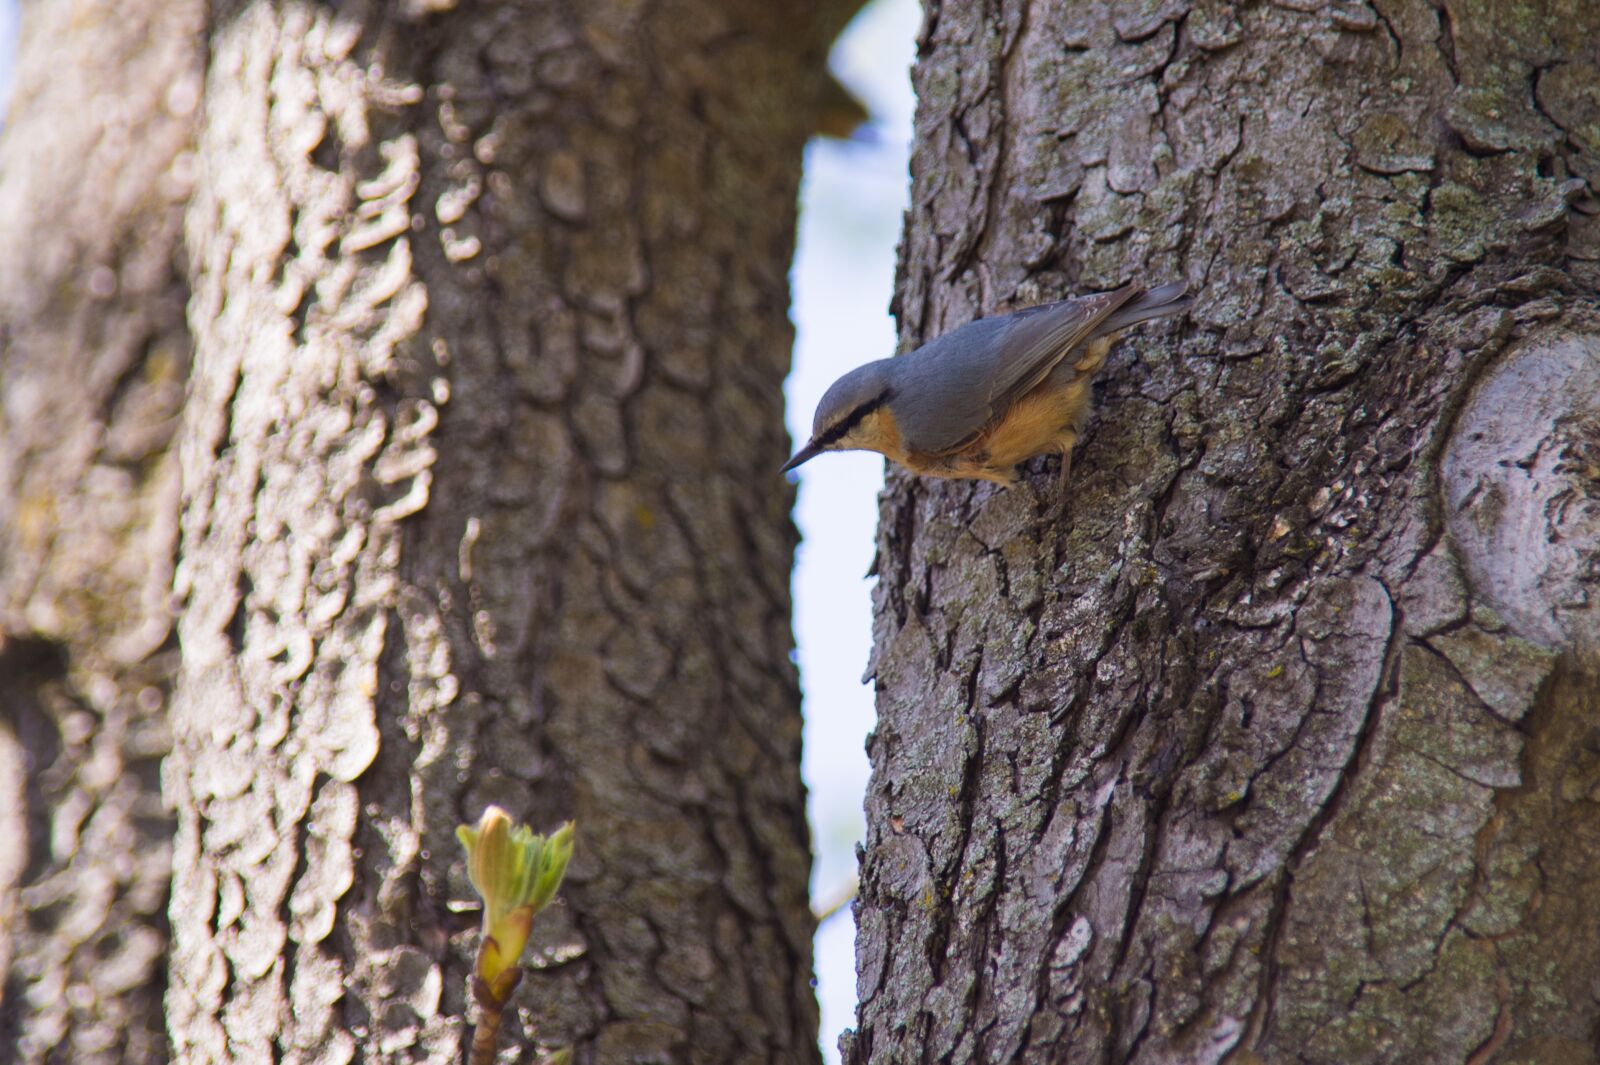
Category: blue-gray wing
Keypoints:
(957, 386)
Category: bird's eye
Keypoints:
(844, 425)
(834, 435)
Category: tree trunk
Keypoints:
(1279, 744)
(94, 352)
(490, 319)
(478, 505)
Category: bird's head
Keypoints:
(851, 416)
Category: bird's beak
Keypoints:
(805, 454)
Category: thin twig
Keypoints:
(842, 896)
(485, 1037)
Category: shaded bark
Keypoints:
(490, 319)
(93, 356)
(1278, 745)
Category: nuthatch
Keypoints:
(985, 397)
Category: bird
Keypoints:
(985, 397)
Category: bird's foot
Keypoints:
(1062, 480)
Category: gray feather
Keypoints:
(849, 394)
(1159, 302)
(948, 391)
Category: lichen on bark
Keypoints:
(1253, 750)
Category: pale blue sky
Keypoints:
(851, 203)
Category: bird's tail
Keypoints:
(1157, 302)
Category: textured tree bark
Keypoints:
(488, 311)
(94, 172)
(490, 326)
(1279, 745)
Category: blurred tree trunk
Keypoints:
(1280, 745)
(488, 313)
(94, 174)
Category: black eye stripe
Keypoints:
(839, 430)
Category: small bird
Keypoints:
(989, 395)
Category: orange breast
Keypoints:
(1048, 419)
(1043, 421)
(879, 427)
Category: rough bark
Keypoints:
(479, 507)
(93, 356)
(1279, 744)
